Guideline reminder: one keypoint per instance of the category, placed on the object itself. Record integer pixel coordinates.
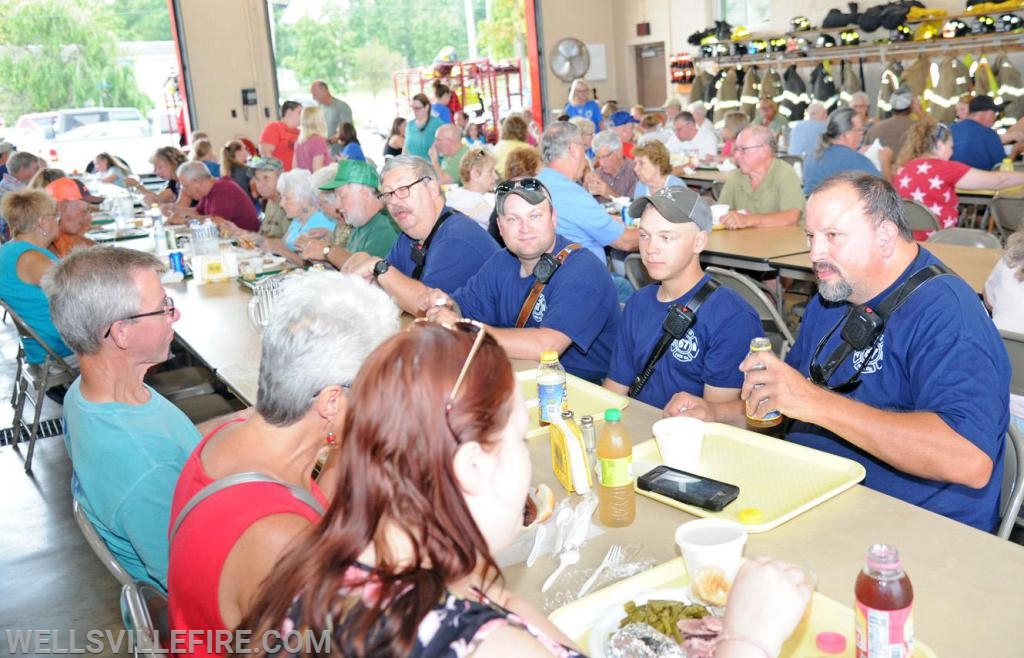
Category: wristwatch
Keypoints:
(380, 267)
(327, 251)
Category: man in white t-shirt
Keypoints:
(691, 140)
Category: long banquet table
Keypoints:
(969, 586)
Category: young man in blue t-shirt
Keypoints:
(674, 225)
(576, 313)
(925, 405)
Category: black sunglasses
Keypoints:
(819, 374)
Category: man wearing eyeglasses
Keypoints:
(615, 175)
(764, 192)
(438, 247)
(541, 293)
(690, 139)
(127, 443)
(923, 405)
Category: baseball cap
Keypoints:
(982, 103)
(87, 196)
(264, 164)
(7, 147)
(902, 98)
(672, 102)
(64, 189)
(529, 189)
(353, 171)
(621, 118)
(677, 204)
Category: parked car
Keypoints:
(74, 137)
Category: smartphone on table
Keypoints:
(688, 488)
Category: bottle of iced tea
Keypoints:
(883, 621)
(616, 498)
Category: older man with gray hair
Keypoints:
(615, 175)
(803, 136)
(127, 443)
(438, 246)
(764, 191)
(447, 152)
(220, 199)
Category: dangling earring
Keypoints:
(332, 438)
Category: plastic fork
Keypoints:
(613, 557)
(570, 555)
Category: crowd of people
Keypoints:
(502, 250)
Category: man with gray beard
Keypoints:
(915, 391)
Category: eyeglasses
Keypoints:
(168, 309)
(468, 326)
(400, 192)
(743, 149)
(416, 108)
(820, 377)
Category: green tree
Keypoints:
(373, 65)
(316, 48)
(140, 20)
(502, 35)
(60, 54)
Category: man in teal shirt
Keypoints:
(127, 443)
(373, 231)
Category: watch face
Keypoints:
(380, 268)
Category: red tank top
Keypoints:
(205, 539)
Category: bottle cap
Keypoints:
(568, 415)
(613, 415)
(750, 516)
(829, 642)
(548, 356)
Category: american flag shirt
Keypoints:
(932, 183)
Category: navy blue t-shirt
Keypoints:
(941, 353)
(710, 352)
(457, 251)
(976, 145)
(579, 301)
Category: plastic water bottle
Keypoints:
(615, 495)
(159, 232)
(883, 616)
(551, 389)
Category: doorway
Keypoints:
(651, 74)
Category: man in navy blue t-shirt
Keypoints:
(974, 142)
(438, 247)
(925, 405)
(576, 313)
(674, 226)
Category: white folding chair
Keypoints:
(33, 380)
(774, 326)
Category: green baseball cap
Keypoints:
(353, 171)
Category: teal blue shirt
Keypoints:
(126, 461)
(28, 301)
(419, 140)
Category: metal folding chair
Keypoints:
(919, 217)
(145, 609)
(1008, 214)
(635, 271)
(33, 380)
(966, 237)
(1013, 469)
(774, 326)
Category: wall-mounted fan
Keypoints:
(569, 59)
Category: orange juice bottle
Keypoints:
(615, 494)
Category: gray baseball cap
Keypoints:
(677, 204)
(264, 164)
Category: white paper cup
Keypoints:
(718, 211)
(711, 543)
(679, 441)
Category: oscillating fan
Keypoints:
(569, 59)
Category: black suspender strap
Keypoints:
(418, 250)
(677, 322)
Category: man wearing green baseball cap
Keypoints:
(373, 230)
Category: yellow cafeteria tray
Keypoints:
(585, 399)
(577, 618)
(779, 478)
